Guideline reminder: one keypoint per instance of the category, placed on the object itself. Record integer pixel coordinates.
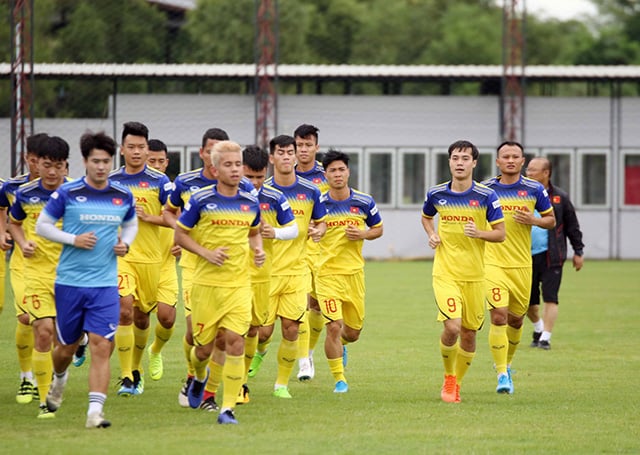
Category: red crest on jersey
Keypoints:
(522, 193)
(317, 180)
(355, 210)
(264, 206)
(474, 203)
(556, 199)
(116, 201)
(244, 208)
(301, 197)
(144, 184)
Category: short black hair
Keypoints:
(510, 143)
(100, 141)
(54, 148)
(135, 129)
(305, 130)
(216, 134)
(156, 145)
(34, 141)
(461, 145)
(283, 140)
(255, 158)
(334, 155)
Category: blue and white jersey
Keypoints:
(87, 209)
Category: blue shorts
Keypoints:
(78, 309)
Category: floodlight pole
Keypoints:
(21, 85)
(513, 82)
(266, 76)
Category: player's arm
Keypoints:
(170, 215)
(46, 227)
(255, 242)
(183, 239)
(28, 247)
(372, 233)
(288, 232)
(429, 227)
(497, 233)
(317, 230)
(151, 219)
(4, 234)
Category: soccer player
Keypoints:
(167, 298)
(290, 279)
(183, 187)
(311, 326)
(98, 224)
(277, 223)
(221, 292)
(508, 265)
(352, 218)
(5, 245)
(469, 216)
(139, 271)
(40, 258)
(24, 332)
(547, 265)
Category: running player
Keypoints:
(469, 215)
(40, 258)
(98, 224)
(139, 271)
(352, 218)
(221, 292)
(508, 266)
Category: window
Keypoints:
(593, 178)
(413, 178)
(380, 175)
(486, 167)
(561, 170)
(631, 179)
(440, 172)
(194, 159)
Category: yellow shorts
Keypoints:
(460, 300)
(39, 300)
(508, 287)
(186, 280)
(168, 285)
(342, 297)
(219, 308)
(17, 286)
(140, 280)
(260, 303)
(287, 297)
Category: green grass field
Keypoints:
(580, 397)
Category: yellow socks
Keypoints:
(463, 362)
(337, 369)
(250, 346)
(186, 348)
(24, 346)
(286, 358)
(449, 354)
(124, 344)
(43, 371)
(234, 367)
(498, 345)
(215, 376)
(514, 336)
(140, 337)
(316, 325)
(200, 366)
(303, 336)
(162, 335)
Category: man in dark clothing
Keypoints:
(547, 265)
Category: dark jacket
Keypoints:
(567, 226)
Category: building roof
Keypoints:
(322, 72)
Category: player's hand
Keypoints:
(578, 261)
(120, 248)
(434, 241)
(29, 248)
(315, 234)
(259, 257)
(524, 216)
(176, 250)
(267, 231)
(142, 215)
(353, 233)
(470, 230)
(217, 256)
(5, 241)
(85, 241)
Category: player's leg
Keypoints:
(204, 318)
(125, 338)
(24, 338)
(43, 331)
(167, 301)
(539, 266)
(550, 288)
